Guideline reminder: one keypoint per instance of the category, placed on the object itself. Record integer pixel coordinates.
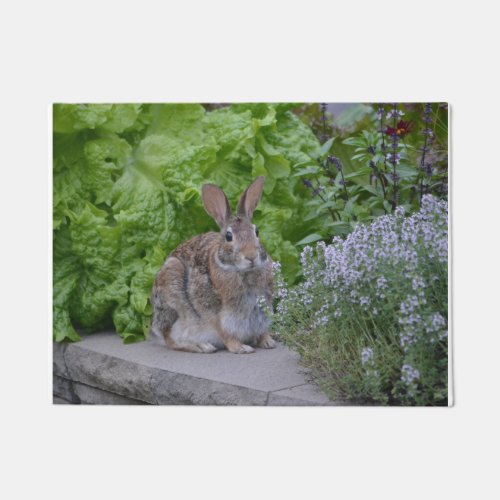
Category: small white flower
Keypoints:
(364, 301)
(409, 374)
(395, 113)
(366, 354)
(443, 335)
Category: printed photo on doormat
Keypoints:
(274, 254)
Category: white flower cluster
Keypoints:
(265, 305)
(409, 375)
(384, 275)
(321, 316)
(366, 354)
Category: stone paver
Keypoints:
(59, 401)
(147, 372)
(302, 395)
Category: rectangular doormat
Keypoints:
(251, 254)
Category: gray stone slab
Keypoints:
(58, 362)
(265, 370)
(179, 389)
(93, 396)
(63, 388)
(111, 373)
(59, 401)
(302, 395)
(100, 369)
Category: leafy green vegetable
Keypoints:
(310, 239)
(126, 184)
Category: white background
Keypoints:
(247, 51)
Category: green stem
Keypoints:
(330, 209)
(394, 179)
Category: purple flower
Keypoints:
(335, 161)
(409, 374)
(366, 355)
(395, 113)
(393, 158)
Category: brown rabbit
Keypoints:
(205, 297)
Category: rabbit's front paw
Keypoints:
(237, 347)
(266, 342)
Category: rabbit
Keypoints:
(205, 296)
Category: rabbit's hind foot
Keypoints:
(202, 347)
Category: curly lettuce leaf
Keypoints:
(68, 118)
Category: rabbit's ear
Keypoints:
(251, 197)
(215, 203)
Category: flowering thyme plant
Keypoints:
(370, 316)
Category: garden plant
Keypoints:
(370, 316)
(377, 162)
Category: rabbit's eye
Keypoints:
(229, 236)
(256, 231)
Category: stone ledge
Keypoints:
(100, 369)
